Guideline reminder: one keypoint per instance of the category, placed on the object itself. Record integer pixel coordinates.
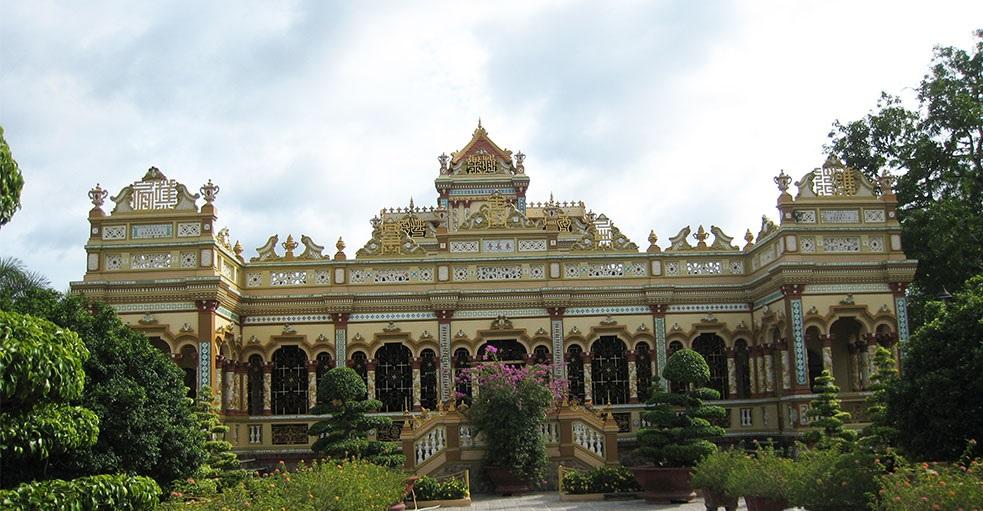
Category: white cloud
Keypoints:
(313, 116)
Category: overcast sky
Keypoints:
(312, 116)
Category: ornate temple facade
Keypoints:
(544, 282)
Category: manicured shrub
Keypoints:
(600, 480)
(764, 473)
(831, 480)
(428, 488)
(102, 492)
(326, 486)
(713, 472)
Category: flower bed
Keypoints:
(450, 491)
(928, 487)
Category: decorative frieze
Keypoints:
(874, 216)
(840, 216)
(606, 311)
(805, 216)
(254, 279)
(391, 316)
(228, 270)
(189, 260)
(807, 244)
(709, 307)
(288, 278)
(822, 289)
(150, 261)
(841, 243)
(532, 246)
(151, 231)
(285, 320)
(499, 272)
(153, 307)
(703, 267)
(322, 277)
(114, 232)
(672, 269)
(114, 262)
(498, 246)
(737, 267)
(188, 229)
(467, 246)
(875, 244)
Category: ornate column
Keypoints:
(340, 320)
(752, 365)
(556, 338)
(311, 384)
(900, 309)
(446, 374)
(370, 376)
(417, 384)
(228, 384)
(659, 327)
(267, 388)
(796, 332)
(206, 334)
(587, 358)
(632, 377)
(856, 380)
(786, 366)
(757, 352)
(769, 354)
(731, 372)
(827, 341)
(242, 383)
(864, 361)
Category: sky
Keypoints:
(311, 116)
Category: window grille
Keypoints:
(289, 381)
(394, 377)
(609, 371)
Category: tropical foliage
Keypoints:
(11, 182)
(617, 479)
(344, 433)
(826, 416)
(428, 488)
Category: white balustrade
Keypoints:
(551, 432)
(468, 438)
(430, 444)
(589, 438)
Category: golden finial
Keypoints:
(340, 254)
(749, 238)
(98, 196)
(289, 246)
(701, 238)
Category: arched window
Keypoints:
(814, 350)
(360, 364)
(643, 370)
(428, 379)
(462, 361)
(575, 372)
(846, 332)
(394, 377)
(255, 383)
(711, 346)
(609, 371)
(675, 346)
(161, 344)
(541, 355)
(188, 362)
(509, 350)
(289, 381)
(742, 369)
(324, 364)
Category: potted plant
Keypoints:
(508, 412)
(680, 430)
(763, 479)
(711, 475)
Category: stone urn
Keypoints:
(506, 482)
(665, 484)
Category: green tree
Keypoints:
(147, 425)
(936, 403)
(11, 182)
(40, 374)
(220, 455)
(827, 416)
(16, 280)
(344, 433)
(681, 439)
(880, 435)
(937, 148)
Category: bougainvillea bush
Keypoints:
(508, 412)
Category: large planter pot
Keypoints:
(661, 484)
(506, 482)
(765, 504)
(714, 500)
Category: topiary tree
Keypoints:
(880, 435)
(344, 433)
(40, 374)
(827, 416)
(681, 439)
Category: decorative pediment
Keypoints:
(390, 238)
(834, 179)
(155, 192)
(602, 234)
(481, 156)
(498, 213)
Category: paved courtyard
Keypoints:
(551, 502)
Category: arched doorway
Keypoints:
(814, 352)
(609, 371)
(712, 347)
(541, 355)
(288, 394)
(394, 377)
(846, 333)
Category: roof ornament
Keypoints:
(98, 196)
(209, 191)
(443, 163)
(340, 254)
(653, 239)
(520, 167)
(289, 246)
(749, 238)
(886, 182)
(701, 238)
(783, 180)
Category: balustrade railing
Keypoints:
(432, 442)
(551, 432)
(589, 438)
